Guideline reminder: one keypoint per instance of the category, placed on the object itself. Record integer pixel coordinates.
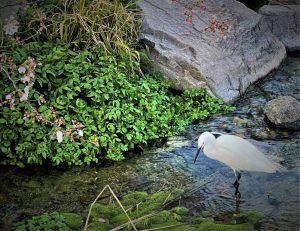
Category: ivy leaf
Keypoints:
(80, 103)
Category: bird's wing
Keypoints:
(217, 134)
(239, 154)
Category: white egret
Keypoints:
(235, 152)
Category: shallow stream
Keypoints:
(169, 164)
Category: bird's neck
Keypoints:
(209, 146)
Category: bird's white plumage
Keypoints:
(235, 152)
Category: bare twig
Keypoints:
(118, 201)
(167, 198)
(132, 222)
(10, 78)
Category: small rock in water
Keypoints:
(240, 133)
(223, 126)
(284, 112)
(273, 201)
(264, 134)
(238, 120)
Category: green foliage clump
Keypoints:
(182, 211)
(139, 205)
(146, 211)
(117, 107)
(80, 24)
(212, 226)
(73, 220)
(103, 210)
(134, 198)
(242, 221)
(53, 221)
(99, 227)
(154, 212)
(249, 217)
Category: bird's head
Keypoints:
(204, 140)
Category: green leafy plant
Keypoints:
(87, 106)
(53, 221)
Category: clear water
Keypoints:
(207, 184)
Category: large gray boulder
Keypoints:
(9, 8)
(284, 2)
(284, 22)
(284, 112)
(8, 15)
(191, 57)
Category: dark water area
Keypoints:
(254, 4)
(169, 164)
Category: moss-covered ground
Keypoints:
(159, 211)
(154, 212)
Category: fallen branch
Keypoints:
(116, 198)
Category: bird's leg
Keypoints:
(238, 177)
(236, 184)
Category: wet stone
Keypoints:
(284, 112)
(264, 134)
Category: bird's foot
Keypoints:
(238, 196)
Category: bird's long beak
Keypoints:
(198, 152)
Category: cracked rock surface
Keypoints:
(191, 57)
(284, 22)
